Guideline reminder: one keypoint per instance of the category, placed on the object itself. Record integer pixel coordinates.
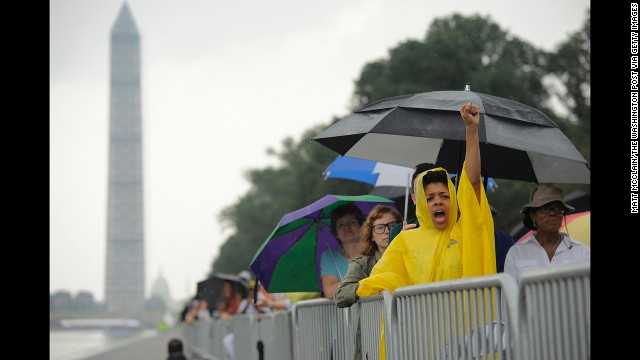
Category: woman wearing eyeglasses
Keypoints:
(545, 214)
(374, 239)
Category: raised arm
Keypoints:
(471, 115)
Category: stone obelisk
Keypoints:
(125, 266)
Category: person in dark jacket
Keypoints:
(174, 348)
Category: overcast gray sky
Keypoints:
(222, 81)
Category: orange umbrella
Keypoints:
(578, 226)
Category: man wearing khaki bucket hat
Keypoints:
(544, 213)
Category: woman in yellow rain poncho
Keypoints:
(455, 238)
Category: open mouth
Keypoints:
(439, 215)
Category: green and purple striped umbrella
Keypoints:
(289, 260)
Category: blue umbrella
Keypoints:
(371, 172)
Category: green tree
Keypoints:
(457, 50)
(571, 64)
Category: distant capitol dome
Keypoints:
(160, 288)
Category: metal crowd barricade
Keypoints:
(555, 308)
(275, 332)
(323, 331)
(455, 319)
(245, 338)
(205, 337)
(202, 339)
(197, 339)
(220, 329)
(487, 317)
(189, 334)
(371, 309)
(272, 332)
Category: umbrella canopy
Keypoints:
(371, 172)
(289, 259)
(517, 141)
(578, 226)
(211, 288)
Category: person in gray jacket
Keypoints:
(374, 239)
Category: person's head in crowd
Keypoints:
(346, 221)
(435, 183)
(174, 347)
(420, 168)
(546, 205)
(374, 235)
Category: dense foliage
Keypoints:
(455, 50)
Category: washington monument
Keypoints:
(124, 289)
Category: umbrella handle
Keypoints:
(486, 179)
(459, 166)
(406, 197)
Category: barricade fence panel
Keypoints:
(370, 319)
(189, 334)
(274, 331)
(456, 319)
(194, 352)
(264, 336)
(313, 321)
(198, 338)
(245, 336)
(555, 308)
(323, 330)
(344, 333)
(203, 334)
(220, 329)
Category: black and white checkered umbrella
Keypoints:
(517, 141)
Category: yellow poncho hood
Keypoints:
(466, 247)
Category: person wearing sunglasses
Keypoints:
(374, 239)
(547, 246)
